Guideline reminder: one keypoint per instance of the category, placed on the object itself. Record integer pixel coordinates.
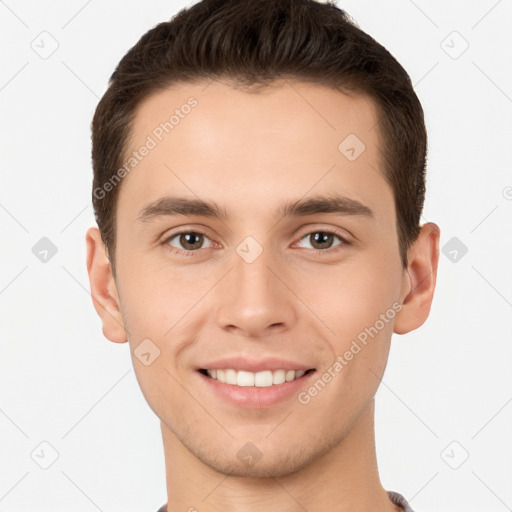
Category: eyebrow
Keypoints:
(170, 206)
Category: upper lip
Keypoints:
(253, 365)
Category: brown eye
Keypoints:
(322, 240)
(191, 240)
(187, 241)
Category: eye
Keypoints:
(322, 240)
(189, 241)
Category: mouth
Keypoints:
(263, 379)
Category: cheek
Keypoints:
(350, 297)
(356, 302)
(154, 299)
(357, 306)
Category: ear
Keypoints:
(105, 297)
(419, 280)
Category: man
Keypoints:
(259, 176)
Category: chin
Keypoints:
(263, 459)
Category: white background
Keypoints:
(63, 383)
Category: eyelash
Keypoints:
(321, 252)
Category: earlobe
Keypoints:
(104, 293)
(419, 280)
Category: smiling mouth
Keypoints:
(261, 379)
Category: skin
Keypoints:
(250, 153)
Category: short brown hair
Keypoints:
(257, 42)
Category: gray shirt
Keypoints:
(399, 500)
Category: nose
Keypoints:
(255, 300)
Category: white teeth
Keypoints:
(243, 379)
(290, 375)
(230, 376)
(260, 379)
(278, 377)
(263, 379)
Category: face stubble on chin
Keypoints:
(250, 153)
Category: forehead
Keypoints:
(292, 109)
(283, 140)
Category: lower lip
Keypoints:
(252, 397)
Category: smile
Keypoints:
(261, 379)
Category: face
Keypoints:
(291, 263)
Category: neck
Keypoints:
(342, 480)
